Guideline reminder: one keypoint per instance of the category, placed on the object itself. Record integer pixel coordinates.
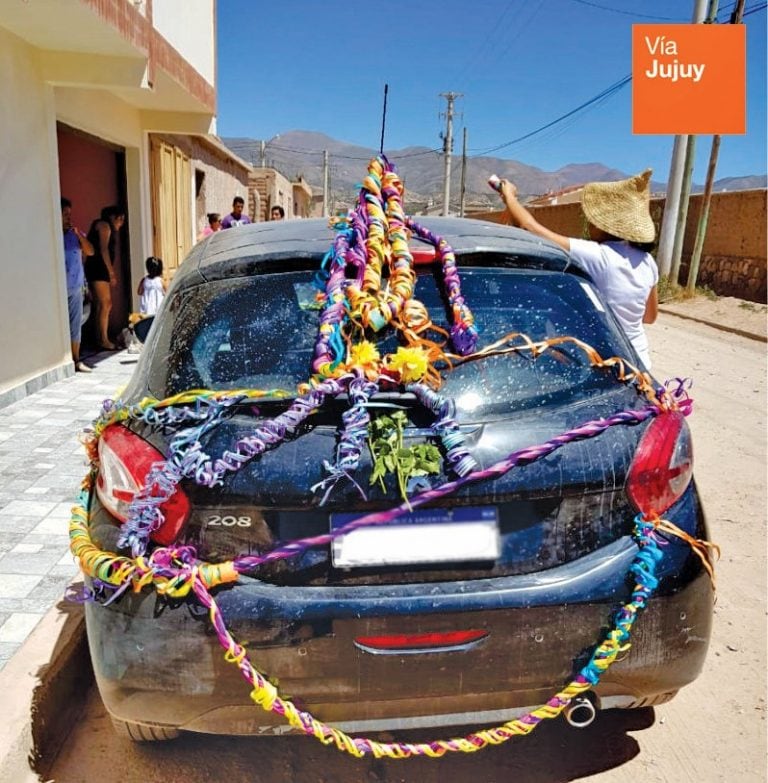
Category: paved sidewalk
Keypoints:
(41, 465)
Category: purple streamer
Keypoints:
(589, 429)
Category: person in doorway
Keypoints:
(277, 213)
(214, 225)
(152, 287)
(616, 255)
(76, 247)
(236, 217)
(100, 270)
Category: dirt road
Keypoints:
(713, 731)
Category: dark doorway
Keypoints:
(92, 175)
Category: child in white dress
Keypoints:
(152, 287)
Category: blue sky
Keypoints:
(321, 65)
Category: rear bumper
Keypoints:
(160, 664)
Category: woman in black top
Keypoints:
(100, 269)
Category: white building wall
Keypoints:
(34, 327)
(189, 26)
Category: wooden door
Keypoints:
(184, 204)
(171, 205)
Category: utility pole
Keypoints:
(701, 229)
(682, 214)
(690, 159)
(675, 182)
(325, 184)
(462, 203)
(448, 147)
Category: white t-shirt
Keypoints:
(151, 296)
(625, 276)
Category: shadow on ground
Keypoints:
(554, 752)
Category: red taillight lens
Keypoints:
(420, 642)
(423, 255)
(663, 465)
(124, 461)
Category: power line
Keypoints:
(592, 102)
(522, 23)
(627, 13)
(351, 157)
(607, 92)
(493, 33)
(755, 9)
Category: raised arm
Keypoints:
(522, 218)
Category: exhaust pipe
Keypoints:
(580, 712)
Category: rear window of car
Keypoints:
(260, 331)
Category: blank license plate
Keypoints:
(422, 536)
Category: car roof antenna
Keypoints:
(383, 119)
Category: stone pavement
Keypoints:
(41, 465)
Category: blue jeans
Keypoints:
(75, 307)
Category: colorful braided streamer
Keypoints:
(372, 243)
(373, 240)
(174, 572)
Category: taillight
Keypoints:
(124, 461)
(410, 643)
(423, 255)
(663, 465)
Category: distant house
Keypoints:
(269, 188)
(302, 198)
(103, 101)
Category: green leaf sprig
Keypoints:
(390, 455)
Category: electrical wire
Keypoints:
(607, 92)
(493, 33)
(754, 9)
(352, 157)
(593, 102)
(627, 13)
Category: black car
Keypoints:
(471, 609)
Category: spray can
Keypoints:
(495, 183)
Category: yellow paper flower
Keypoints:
(363, 354)
(410, 363)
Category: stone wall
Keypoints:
(732, 276)
(733, 259)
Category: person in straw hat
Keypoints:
(616, 257)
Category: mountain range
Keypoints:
(300, 153)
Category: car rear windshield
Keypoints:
(259, 332)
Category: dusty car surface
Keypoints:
(472, 608)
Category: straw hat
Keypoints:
(621, 208)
